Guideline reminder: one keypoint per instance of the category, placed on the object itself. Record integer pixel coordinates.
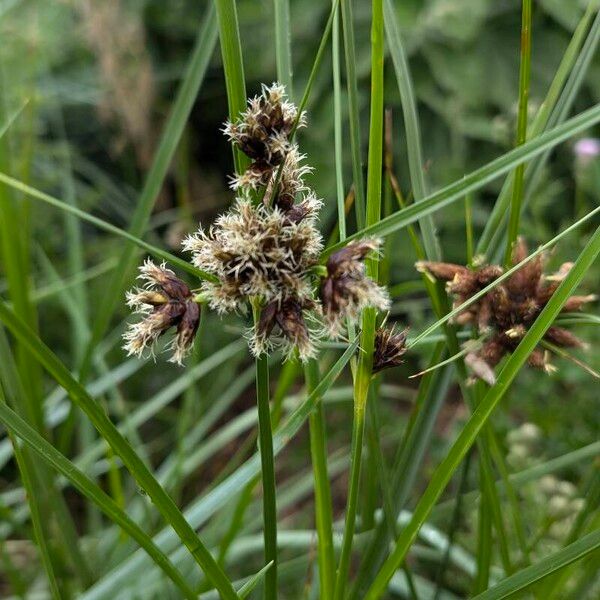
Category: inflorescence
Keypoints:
(264, 251)
(504, 315)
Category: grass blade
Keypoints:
(412, 129)
(283, 48)
(517, 195)
(337, 127)
(353, 110)
(364, 366)
(101, 224)
(253, 581)
(553, 111)
(323, 506)
(265, 441)
(233, 67)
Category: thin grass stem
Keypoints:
(265, 443)
(524, 72)
(353, 110)
(323, 506)
(364, 367)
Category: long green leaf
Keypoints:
(93, 492)
(283, 47)
(411, 124)
(364, 365)
(353, 111)
(101, 224)
(522, 117)
(233, 68)
(265, 440)
(477, 179)
(468, 435)
(323, 505)
(555, 103)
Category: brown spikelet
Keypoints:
(390, 347)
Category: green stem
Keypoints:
(469, 227)
(265, 442)
(283, 50)
(233, 66)
(358, 429)
(323, 506)
(364, 367)
(337, 122)
(353, 110)
(517, 197)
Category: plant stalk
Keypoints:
(265, 443)
(364, 367)
(525, 68)
(323, 506)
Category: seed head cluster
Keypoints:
(264, 251)
(165, 302)
(507, 311)
(263, 134)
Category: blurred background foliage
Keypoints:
(94, 81)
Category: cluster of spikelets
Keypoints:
(507, 311)
(264, 253)
(165, 302)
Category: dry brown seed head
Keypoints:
(390, 347)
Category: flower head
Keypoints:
(291, 182)
(255, 251)
(346, 289)
(508, 310)
(165, 302)
(262, 133)
(390, 347)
